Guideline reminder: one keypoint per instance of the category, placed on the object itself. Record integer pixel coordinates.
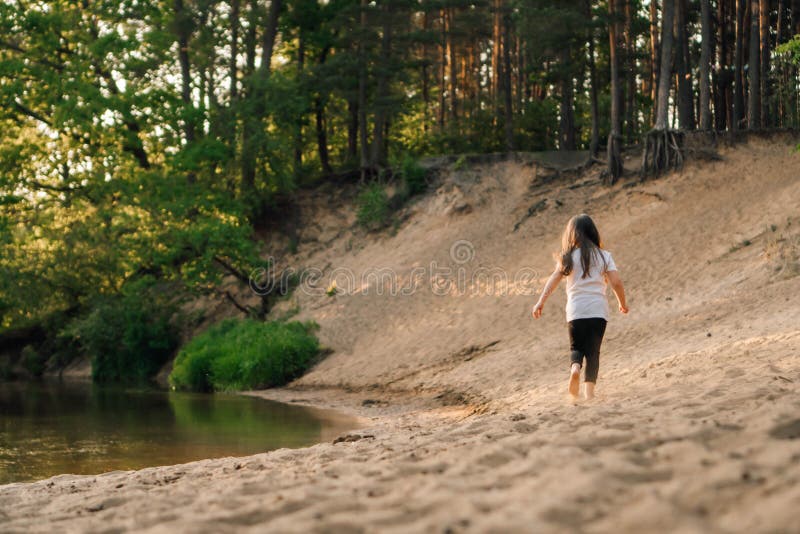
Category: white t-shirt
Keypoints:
(586, 297)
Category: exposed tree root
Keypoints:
(663, 150)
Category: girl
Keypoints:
(588, 269)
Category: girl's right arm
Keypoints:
(549, 287)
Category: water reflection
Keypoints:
(48, 429)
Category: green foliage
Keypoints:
(332, 290)
(245, 354)
(6, 373)
(414, 176)
(99, 183)
(120, 158)
(373, 206)
(538, 125)
(32, 361)
(128, 336)
(478, 133)
(791, 49)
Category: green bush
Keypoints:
(245, 354)
(414, 176)
(6, 372)
(373, 206)
(32, 361)
(129, 337)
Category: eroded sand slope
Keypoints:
(696, 426)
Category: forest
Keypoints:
(142, 142)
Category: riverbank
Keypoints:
(652, 452)
(466, 422)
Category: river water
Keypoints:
(81, 428)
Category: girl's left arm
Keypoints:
(619, 290)
(549, 287)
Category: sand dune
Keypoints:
(695, 427)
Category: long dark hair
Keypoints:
(581, 233)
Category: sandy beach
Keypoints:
(465, 424)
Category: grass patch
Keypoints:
(739, 246)
(415, 176)
(373, 207)
(782, 254)
(332, 289)
(245, 354)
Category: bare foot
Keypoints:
(588, 390)
(574, 379)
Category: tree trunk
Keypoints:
(595, 139)
(721, 77)
(250, 39)
(567, 126)
(477, 76)
(754, 70)
(630, 74)
(665, 75)
(738, 68)
(426, 92)
(462, 81)
(232, 68)
(321, 123)
(442, 69)
(508, 121)
(796, 16)
(451, 60)
(253, 120)
(322, 136)
(268, 38)
(382, 90)
(298, 137)
(662, 146)
(352, 130)
(654, 59)
(519, 62)
(496, 38)
(766, 112)
(183, 29)
(705, 64)
(362, 95)
(683, 69)
(613, 150)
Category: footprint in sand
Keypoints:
(735, 372)
(700, 414)
(106, 504)
(619, 426)
(604, 438)
(495, 459)
(790, 430)
(259, 515)
(339, 528)
(643, 477)
(524, 428)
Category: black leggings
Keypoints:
(585, 337)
